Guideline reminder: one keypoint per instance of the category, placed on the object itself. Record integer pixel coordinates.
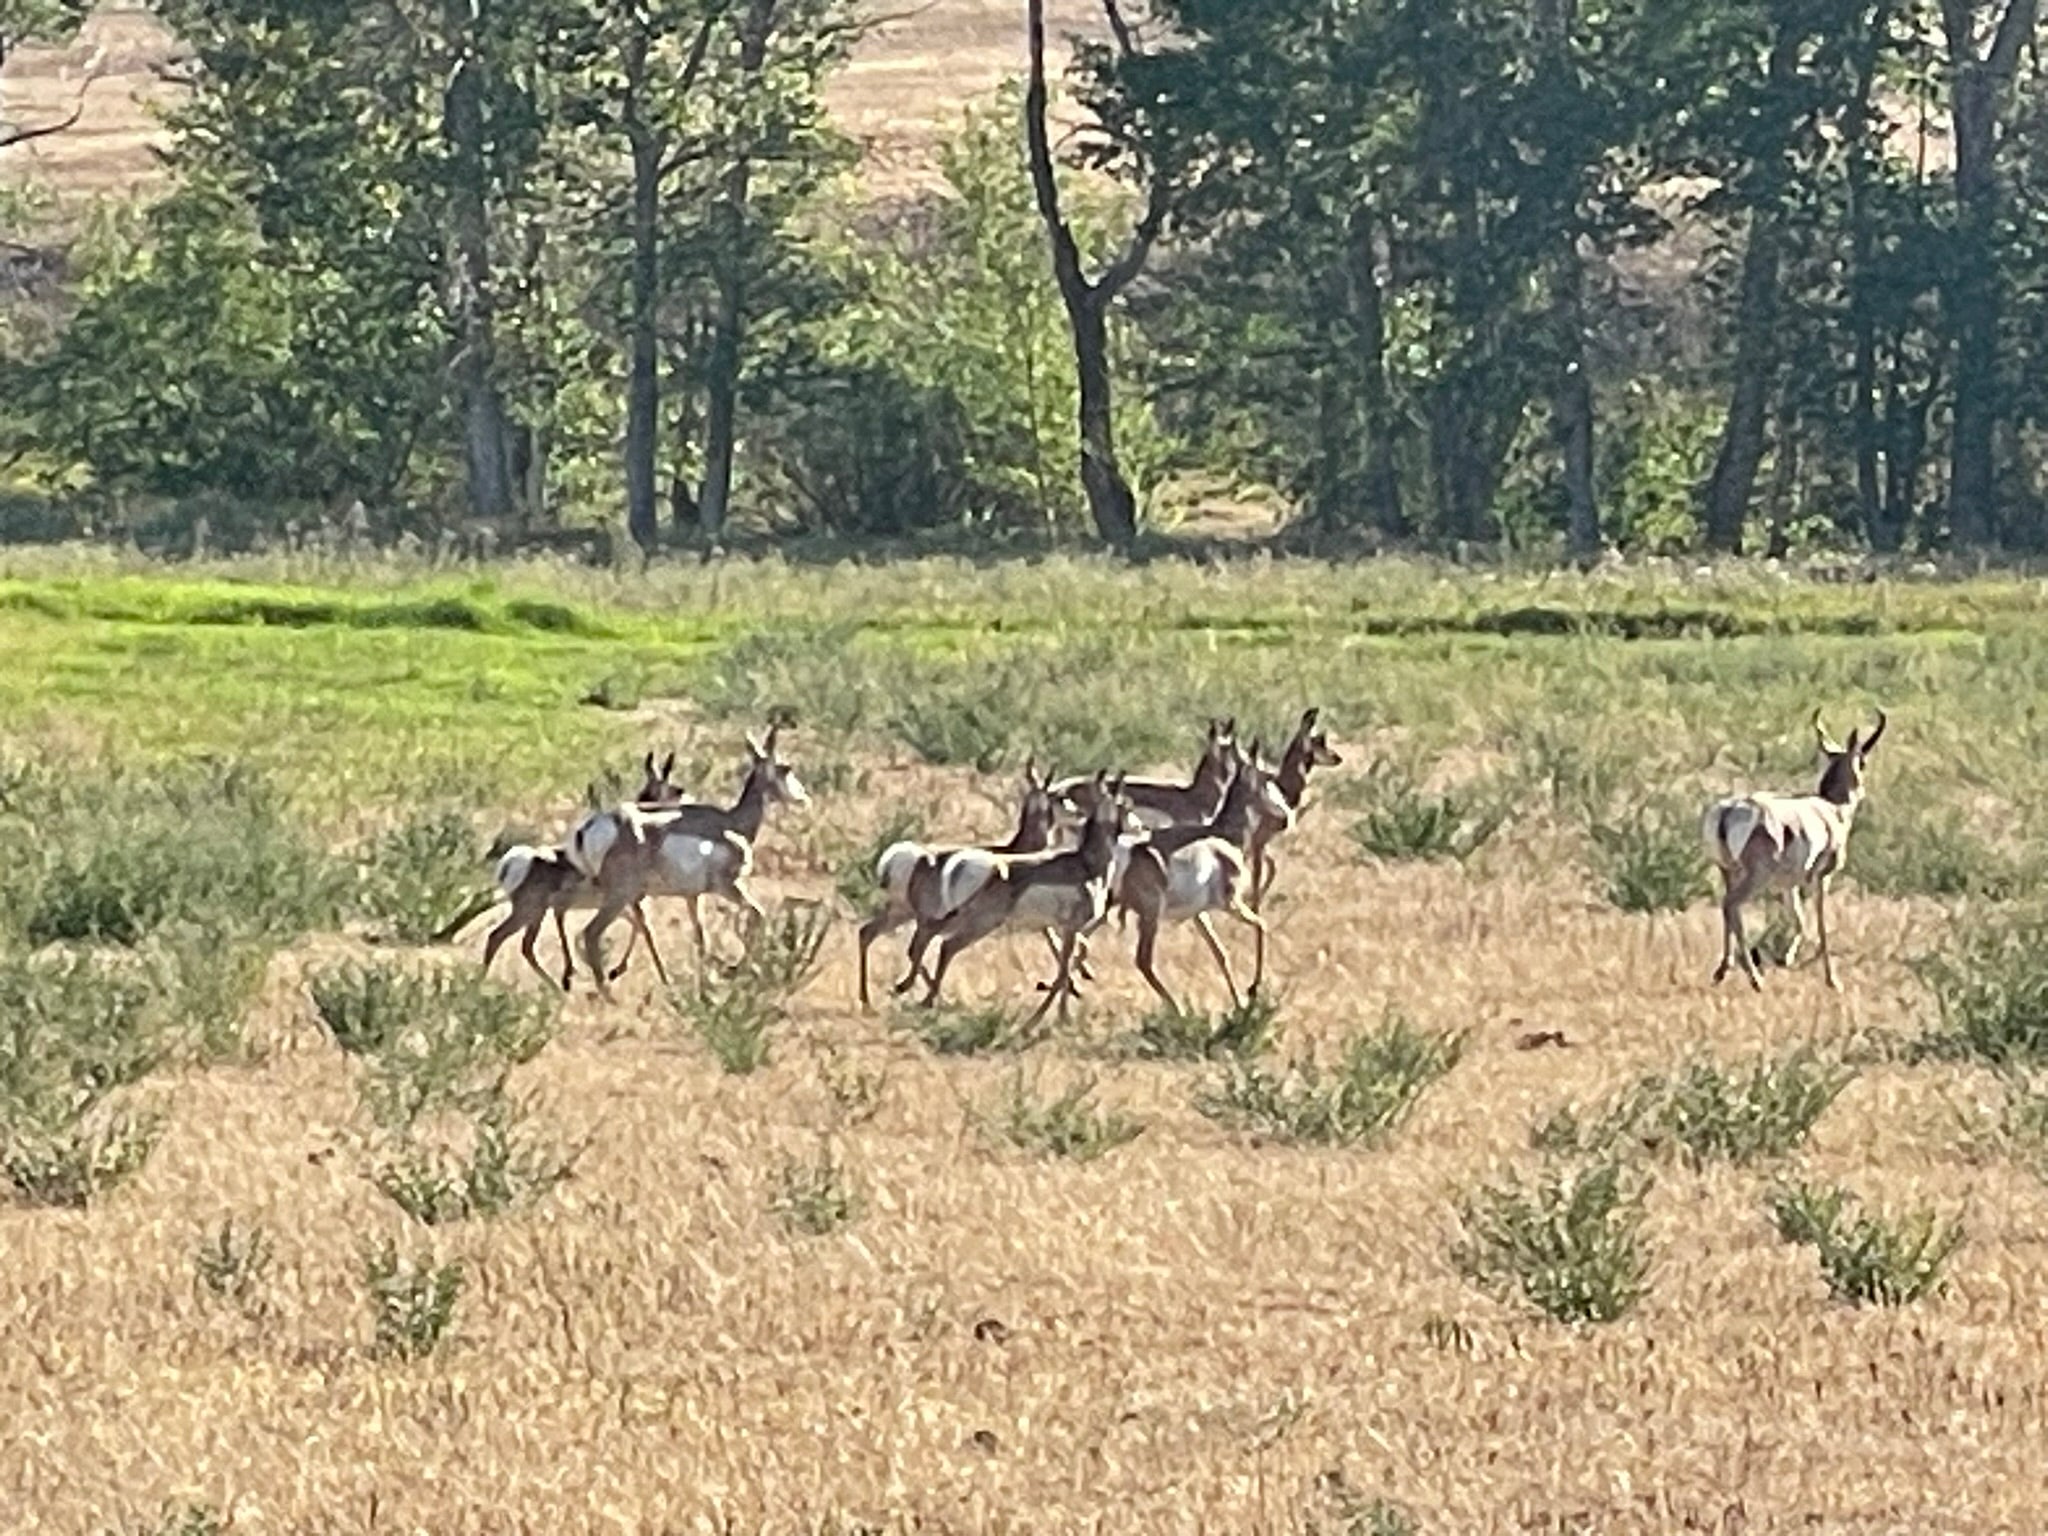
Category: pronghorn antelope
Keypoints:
(1308, 750)
(1064, 889)
(539, 882)
(1165, 802)
(1189, 872)
(692, 851)
(911, 874)
(1790, 843)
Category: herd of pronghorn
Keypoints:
(1157, 851)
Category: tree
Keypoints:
(1981, 77)
(1088, 300)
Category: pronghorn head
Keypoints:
(1262, 788)
(657, 790)
(1310, 748)
(1214, 768)
(1037, 811)
(777, 779)
(1841, 776)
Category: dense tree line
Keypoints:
(1562, 273)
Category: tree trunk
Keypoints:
(475, 363)
(1571, 407)
(1862, 129)
(1733, 481)
(1110, 500)
(1974, 299)
(1368, 311)
(643, 388)
(728, 332)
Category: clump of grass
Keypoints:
(1249, 1028)
(1371, 1090)
(70, 1155)
(1406, 822)
(815, 1197)
(183, 1520)
(414, 874)
(1650, 860)
(73, 1027)
(854, 876)
(783, 952)
(412, 1301)
(233, 1263)
(735, 1019)
(1867, 1260)
(1991, 984)
(1708, 1112)
(210, 978)
(429, 1033)
(1568, 1244)
(502, 1168)
(988, 1030)
(1065, 1125)
(1900, 851)
(856, 1095)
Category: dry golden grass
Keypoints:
(896, 97)
(1197, 1332)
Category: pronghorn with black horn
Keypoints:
(911, 874)
(1308, 750)
(539, 882)
(1188, 872)
(692, 851)
(1793, 844)
(1165, 802)
(1065, 889)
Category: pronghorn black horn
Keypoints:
(1871, 740)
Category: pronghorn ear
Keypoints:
(1309, 718)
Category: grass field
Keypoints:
(885, 1281)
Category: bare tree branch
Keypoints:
(2014, 30)
(1126, 41)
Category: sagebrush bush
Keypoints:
(783, 952)
(209, 979)
(1406, 822)
(816, 1196)
(58, 1155)
(1651, 860)
(231, 1264)
(856, 1095)
(1249, 1028)
(1991, 984)
(74, 1026)
(415, 873)
(412, 1300)
(1067, 1124)
(1867, 1260)
(432, 1023)
(734, 1018)
(961, 1031)
(1707, 1112)
(1372, 1089)
(1568, 1244)
(119, 853)
(501, 1168)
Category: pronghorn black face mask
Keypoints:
(1841, 778)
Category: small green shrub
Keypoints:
(856, 1095)
(502, 1168)
(1991, 983)
(73, 1027)
(388, 1008)
(1570, 1245)
(1405, 822)
(1901, 850)
(816, 1197)
(412, 1301)
(1867, 1260)
(1363, 1099)
(987, 1030)
(1067, 1125)
(854, 876)
(1650, 860)
(1708, 1112)
(1250, 1028)
(232, 1263)
(735, 1019)
(416, 873)
(181, 1520)
(784, 952)
(211, 978)
(70, 1157)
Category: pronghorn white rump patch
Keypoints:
(593, 838)
(514, 866)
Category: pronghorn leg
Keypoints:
(637, 925)
(697, 927)
(1062, 986)
(1732, 903)
(920, 943)
(615, 902)
(970, 925)
(1081, 966)
(1222, 960)
(1820, 919)
(1794, 906)
(1731, 926)
(515, 920)
(568, 951)
(1148, 940)
(888, 920)
(637, 916)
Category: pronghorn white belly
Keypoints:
(1199, 877)
(1802, 836)
(691, 865)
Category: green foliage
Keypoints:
(210, 979)
(181, 1520)
(1650, 860)
(1991, 982)
(1364, 1098)
(1906, 846)
(1569, 1244)
(1706, 1112)
(1406, 822)
(501, 1169)
(1065, 1125)
(1867, 1260)
(783, 952)
(735, 1019)
(412, 1300)
(417, 872)
(854, 876)
(816, 1197)
(232, 1264)
(73, 1028)
(69, 1155)
(1249, 1028)
(991, 1029)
